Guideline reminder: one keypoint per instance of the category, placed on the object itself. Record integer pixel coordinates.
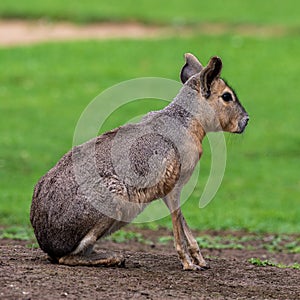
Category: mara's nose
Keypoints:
(246, 120)
(243, 123)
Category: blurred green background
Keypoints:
(45, 87)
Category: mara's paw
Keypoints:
(196, 267)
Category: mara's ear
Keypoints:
(192, 66)
(210, 73)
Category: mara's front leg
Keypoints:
(185, 244)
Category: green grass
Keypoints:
(45, 88)
(17, 233)
(175, 12)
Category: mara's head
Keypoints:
(214, 92)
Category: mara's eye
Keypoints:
(227, 97)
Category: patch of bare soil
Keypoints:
(152, 271)
(22, 32)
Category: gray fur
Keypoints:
(101, 185)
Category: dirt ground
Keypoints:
(152, 271)
(24, 32)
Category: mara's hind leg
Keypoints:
(84, 255)
(93, 259)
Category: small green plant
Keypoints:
(274, 244)
(17, 233)
(164, 239)
(123, 236)
(210, 242)
(282, 243)
(32, 246)
(296, 266)
(293, 247)
(264, 263)
(261, 263)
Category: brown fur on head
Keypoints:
(231, 115)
